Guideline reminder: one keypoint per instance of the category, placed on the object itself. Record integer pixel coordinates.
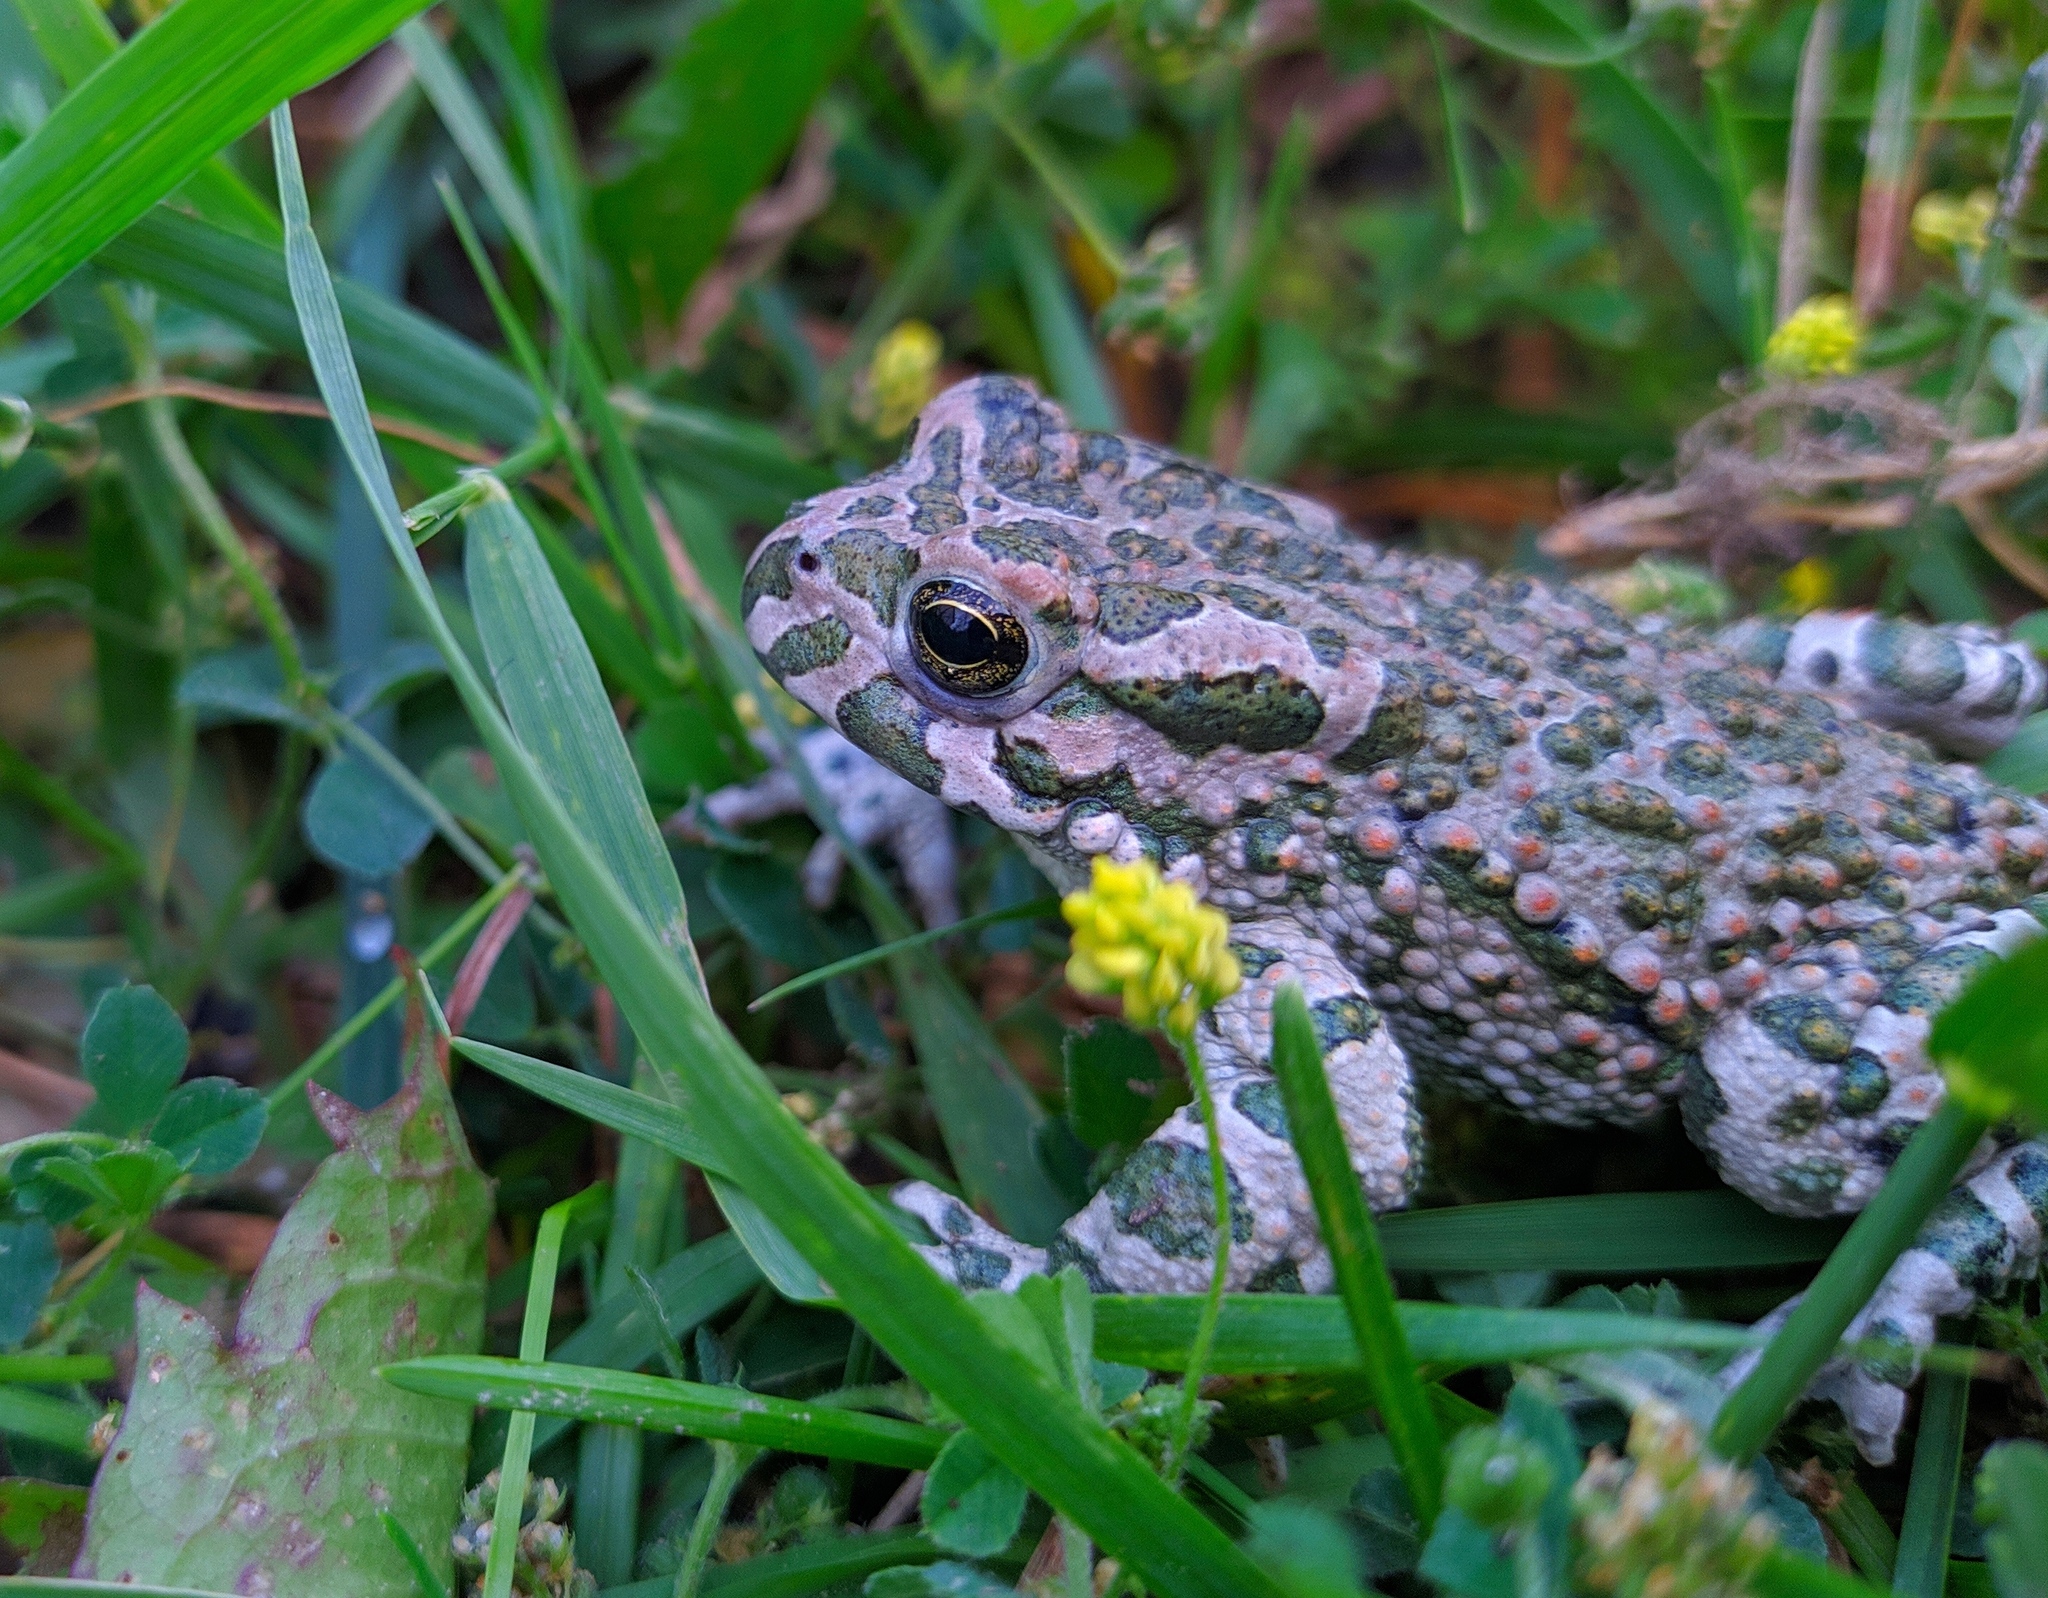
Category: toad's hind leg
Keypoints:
(1964, 688)
(1151, 1229)
(1805, 1115)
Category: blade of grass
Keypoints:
(825, 1566)
(1605, 1234)
(54, 1422)
(407, 357)
(1218, 365)
(1924, 1173)
(1078, 379)
(1803, 159)
(1263, 1334)
(533, 1351)
(661, 1403)
(1920, 1567)
(60, 893)
(1025, 1416)
(1881, 213)
(1464, 176)
(917, 940)
(203, 73)
(1361, 1271)
(75, 38)
(630, 1114)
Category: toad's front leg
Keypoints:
(1152, 1227)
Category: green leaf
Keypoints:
(1990, 1041)
(1605, 1234)
(466, 782)
(1532, 33)
(244, 684)
(133, 1052)
(28, 1267)
(786, 1269)
(971, 1502)
(631, 1114)
(257, 1462)
(710, 129)
(661, 1403)
(38, 1514)
(2012, 1503)
(201, 75)
(1113, 1084)
(2022, 761)
(359, 821)
(211, 1125)
(128, 1183)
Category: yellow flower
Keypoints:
(1820, 339)
(901, 377)
(1944, 223)
(1153, 942)
(1808, 585)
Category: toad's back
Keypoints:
(1560, 848)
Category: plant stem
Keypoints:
(1920, 1568)
(437, 951)
(1881, 214)
(533, 1347)
(1060, 182)
(1212, 1302)
(729, 1462)
(1923, 1175)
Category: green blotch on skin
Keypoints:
(1131, 545)
(1260, 1104)
(873, 566)
(1064, 1251)
(1931, 984)
(1814, 1183)
(890, 725)
(1259, 711)
(975, 1266)
(1924, 665)
(1798, 1115)
(808, 648)
(2028, 1172)
(769, 574)
(1806, 1025)
(937, 498)
(1264, 840)
(1282, 1276)
(1025, 543)
(1967, 1233)
(1348, 1019)
(1162, 1194)
(1566, 744)
(1696, 767)
(1863, 1085)
(1397, 726)
(1134, 611)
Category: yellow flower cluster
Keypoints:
(1153, 942)
(1945, 223)
(1670, 1520)
(901, 376)
(1820, 339)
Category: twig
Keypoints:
(270, 403)
(2022, 563)
(1960, 38)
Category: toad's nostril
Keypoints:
(807, 562)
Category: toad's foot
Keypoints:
(969, 1252)
(1982, 1236)
(874, 806)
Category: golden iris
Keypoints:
(966, 641)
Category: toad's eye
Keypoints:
(966, 641)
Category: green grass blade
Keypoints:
(75, 38)
(1078, 379)
(464, 118)
(1025, 1416)
(1275, 1334)
(1924, 1172)
(885, 951)
(60, 893)
(661, 1403)
(1920, 1568)
(1605, 1234)
(556, 704)
(1526, 33)
(628, 1113)
(1789, 1575)
(54, 1422)
(201, 75)
(404, 356)
(825, 1566)
(1362, 1281)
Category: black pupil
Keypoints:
(957, 635)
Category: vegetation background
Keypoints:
(373, 501)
